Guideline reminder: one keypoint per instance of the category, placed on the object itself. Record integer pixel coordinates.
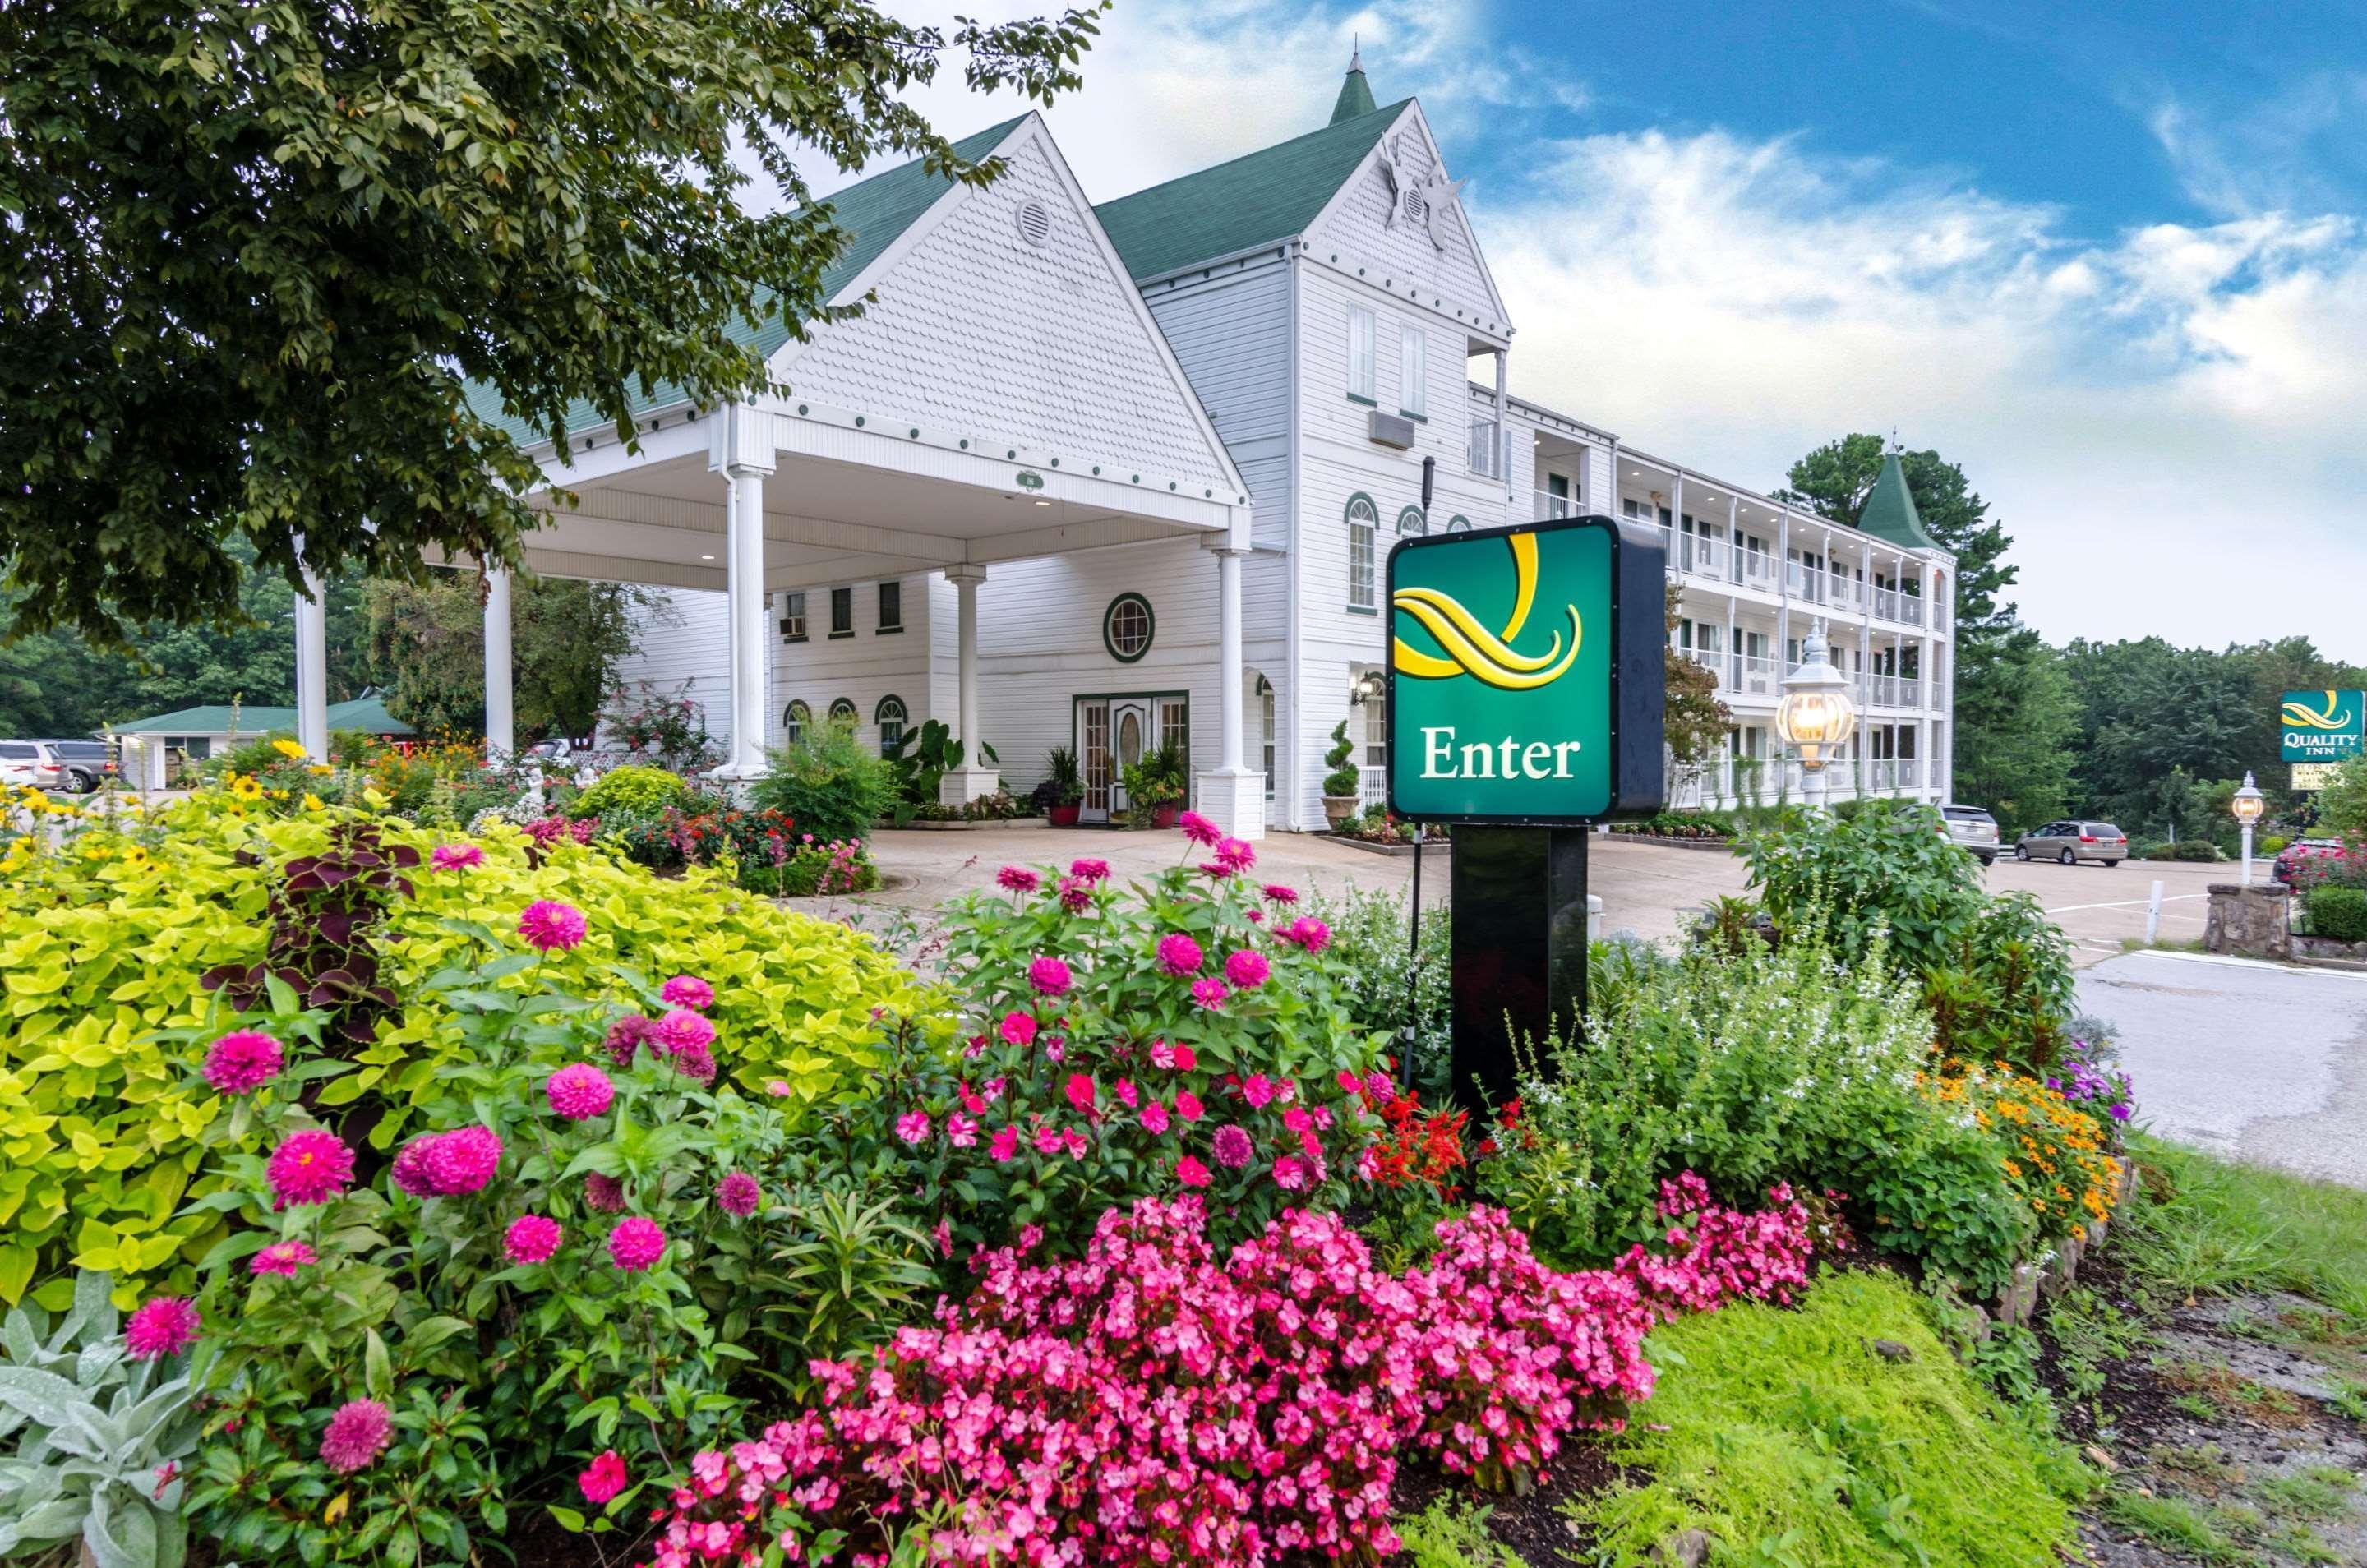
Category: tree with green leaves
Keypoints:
(428, 644)
(1837, 477)
(1694, 722)
(257, 250)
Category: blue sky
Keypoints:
(2111, 258)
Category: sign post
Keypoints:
(1526, 677)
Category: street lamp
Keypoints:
(2248, 804)
(1816, 716)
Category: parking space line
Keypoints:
(2126, 903)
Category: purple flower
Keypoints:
(357, 1433)
(242, 1061)
(738, 1194)
(604, 1194)
(1017, 878)
(695, 1063)
(550, 926)
(689, 991)
(1179, 954)
(1076, 895)
(164, 1326)
(1231, 1147)
(624, 1037)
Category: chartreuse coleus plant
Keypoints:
(92, 1437)
(107, 933)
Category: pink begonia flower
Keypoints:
(1246, 970)
(687, 991)
(283, 1259)
(579, 1091)
(991, 1089)
(309, 1167)
(532, 1238)
(356, 1434)
(1258, 1091)
(912, 1126)
(454, 857)
(163, 1326)
(1004, 1145)
(636, 1244)
(1198, 829)
(1191, 1172)
(1231, 1147)
(1079, 1090)
(550, 926)
(1179, 954)
(962, 1130)
(1210, 992)
(1017, 878)
(973, 1102)
(1018, 1028)
(1187, 1106)
(1049, 977)
(1154, 1116)
(242, 1061)
(1090, 871)
(604, 1478)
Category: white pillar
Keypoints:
(1234, 796)
(741, 447)
(313, 668)
(501, 725)
(961, 785)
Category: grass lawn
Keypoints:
(2204, 1227)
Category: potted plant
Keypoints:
(1340, 783)
(1154, 786)
(1068, 787)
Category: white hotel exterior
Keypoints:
(1087, 476)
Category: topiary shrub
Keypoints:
(633, 789)
(2338, 914)
(1341, 779)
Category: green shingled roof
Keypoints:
(1889, 511)
(366, 714)
(1262, 197)
(1355, 93)
(874, 212)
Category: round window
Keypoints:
(1126, 628)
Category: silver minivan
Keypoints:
(2072, 843)
(1974, 829)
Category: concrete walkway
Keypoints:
(2265, 1063)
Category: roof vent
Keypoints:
(1035, 223)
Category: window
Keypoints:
(842, 711)
(889, 716)
(841, 611)
(1128, 627)
(1411, 521)
(1363, 526)
(1413, 370)
(1360, 378)
(1372, 778)
(891, 607)
(1459, 523)
(1265, 729)
(793, 618)
(794, 720)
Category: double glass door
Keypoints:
(1115, 733)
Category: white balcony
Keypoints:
(1751, 676)
(1542, 504)
(1751, 569)
(1888, 775)
(1897, 691)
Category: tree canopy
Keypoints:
(257, 249)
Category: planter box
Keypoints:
(917, 825)
(1714, 846)
(1403, 851)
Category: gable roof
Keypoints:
(1889, 511)
(367, 713)
(874, 212)
(1258, 199)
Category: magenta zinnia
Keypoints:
(310, 1167)
(164, 1326)
(687, 991)
(624, 1037)
(1198, 829)
(1231, 1147)
(636, 1244)
(242, 1061)
(1049, 976)
(456, 857)
(1017, 878)
(738, 1194)
(1179, 954)
(1209, 991)
(356, 1434)
(579, 1091)
(550, 926)
(282, 1258)
(1089, 871)
(532, 1238)
(1246, 969)
(682, 1029)
(604, 1194)
(463, 1160)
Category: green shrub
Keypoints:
(1341, 779)
(828, 784)
(1887, 867)
(2338, 914)
(2197, 849)
(633, 789)
(1380, 986)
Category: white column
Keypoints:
(500, 724)
(313, 668)
(961, 785)
(1234, 796)
(741, 446)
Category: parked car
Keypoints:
(78, 766)
(2072, 843)
(20, 764)
(1974, 828)
(2300, 850)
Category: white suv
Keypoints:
(1974, 828)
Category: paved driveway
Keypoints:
(2263, 1062)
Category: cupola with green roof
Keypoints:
(1889, 511)
(1355, 93)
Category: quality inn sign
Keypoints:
(1522, 688)
(2323, 727)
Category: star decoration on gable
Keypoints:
(1439, 195)
(1417, 186)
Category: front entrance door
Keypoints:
(1114, 733)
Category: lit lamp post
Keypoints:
(2247, 806)
(1817, 715)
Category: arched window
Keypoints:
(1128, 627)
(1364, 532)
(794, 721)
(1411, 521)
(889, 716)
(1459, 523)
(843, 711)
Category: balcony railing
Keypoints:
(1752, 569)
(1808, 585)
(1887, 774)
(1750, 675)
(1545, 503)
(1890, 605)
(1487, 450)
(1897, 691)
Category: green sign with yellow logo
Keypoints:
(2323, 727)
(1522, 688)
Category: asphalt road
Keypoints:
(2265, 1063)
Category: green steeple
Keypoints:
(1889, 514)
(1355, 93)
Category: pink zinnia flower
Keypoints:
(737, 1194)
(1198, 829)
(1003, 1145)
(357, 1433)
(1247, 970)
(242, 1061)
(1076, 895)
(454, 857)
(1154, 1117)
(1308, 932)
(695, 1063)
(310, 1167)
(605, 1479)
(162, 1326)
(1187, 1106)
(1281, 895)
(1258, 1091)
(1257, 917)
(962, 1130)
(463, 1160)
(682, 1029)
(1049, 976)
(687, 991)
(579, 1091)
(624, 1037)
(1089, 871)
(550, 926)
(1179, 954)
(1289, 1173)
(282, 1258)
(1079, 1090)
(636, 1244)
(531, 1238)
(1231, 1147)
(604, 1194)
(1235, 855)
(1018, 1028)
(912, 1126)
(1217, 869)
(1191, 1172)
(1209, 991)
(1017, 878)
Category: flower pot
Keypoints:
(1065, 815)
(1165, 816)
(1338, 808)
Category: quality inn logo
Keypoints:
(1471, 648)
(2299, 715)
